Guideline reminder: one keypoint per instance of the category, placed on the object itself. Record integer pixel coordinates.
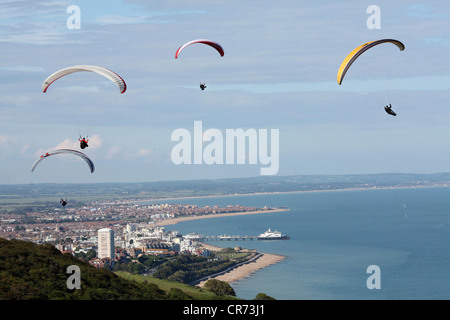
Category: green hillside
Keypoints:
(174, 288)
(39, 272)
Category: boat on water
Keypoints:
(272, 235)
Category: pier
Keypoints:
(202, 238)
(229, 238)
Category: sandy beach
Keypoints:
(241, 272)
(214, 215)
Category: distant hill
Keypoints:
(28, 193)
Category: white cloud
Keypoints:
(141, 154)
(67, 144)
(95, 141)
(33, 22)
(113, 151)
(25, 148)
(145, 152)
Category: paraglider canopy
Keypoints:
(210, 43)
(348, 61)
(65, 151)
(114, 77)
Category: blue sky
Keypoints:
(278, 72)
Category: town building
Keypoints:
(106, 244)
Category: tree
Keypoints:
(179, 276)
(178, 294)
(91, 254)
(220, 288)
(263, 296)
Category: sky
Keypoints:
(278, 75)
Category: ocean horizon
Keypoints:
(335, 237)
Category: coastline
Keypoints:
(214, 215)
(233, 274)
(284, 192)
(245, 270)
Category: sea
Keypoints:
(378, 244)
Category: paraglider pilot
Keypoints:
(63, 202)
(83, 142)
(389, 110)
(202, 86)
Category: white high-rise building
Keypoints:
(106, 244)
